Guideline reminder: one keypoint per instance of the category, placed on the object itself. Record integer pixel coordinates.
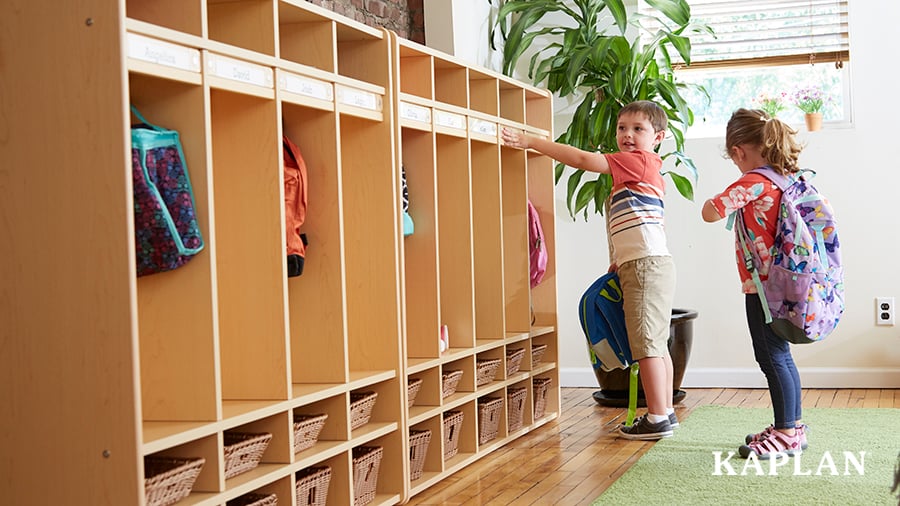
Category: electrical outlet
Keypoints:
(884, 311)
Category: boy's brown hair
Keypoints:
(654, 113)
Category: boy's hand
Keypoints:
(514, 139)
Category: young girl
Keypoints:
(753, 139)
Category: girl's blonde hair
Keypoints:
(774, 137)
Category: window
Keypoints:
(767, 47)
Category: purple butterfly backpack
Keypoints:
(803, 298)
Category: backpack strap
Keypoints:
(750, 261)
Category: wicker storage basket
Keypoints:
(412, 390)
(489, 411)
(537, 352)
(452, 427)
(361, 404)
(243, 451)
(312, 486)
(449, 382)
(514, 360)
(168, 480)
(306, 430)
(418, 448)
(254, 499)
(541, 385)
(486, 370)
(366, 462)
(515, 400)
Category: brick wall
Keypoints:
(404, 17)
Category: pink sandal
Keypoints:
(775, 443)
(801, 429)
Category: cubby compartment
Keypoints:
(516, 278)
(316, 297)
(487, 233)
(182, 15)
(244, 24)
(457, 378)
(489, 367)
(429, 395)
(420, 248)
(254, 449)
(374, 408)
(370, 202)
(512, 102)
(334, 430)
(456, 277)
(538, 112)
(306, 35)
(416, 71)
(176, 308)
(451, 81)
(543, 296)
(250, 249)
(378, 470)
(484, 93)
(172, 467)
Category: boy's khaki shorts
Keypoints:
(648, 289)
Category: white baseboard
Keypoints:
(812, 377)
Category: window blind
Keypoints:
(768, 32)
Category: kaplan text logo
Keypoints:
(847, 464)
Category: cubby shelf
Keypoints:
(228, 342)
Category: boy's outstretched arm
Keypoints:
(569, 155)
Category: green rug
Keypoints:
(684, 470)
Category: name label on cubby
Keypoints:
(415, 113)
(482, 127)
(241, 71)
(163, 53)
(450, 120)
(307, 86)
(359, 98)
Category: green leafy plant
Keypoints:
(605, 71)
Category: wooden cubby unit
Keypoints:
(106, 368)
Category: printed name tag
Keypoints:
(482, 127)
(163, 53)
(415, 112)
(308, 87)
(449, 119)
(237, 70)
(359, 98)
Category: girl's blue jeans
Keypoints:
(773, 354)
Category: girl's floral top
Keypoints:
(758, 199)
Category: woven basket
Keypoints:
(361, 404)
(306, 430)
(252, 499)
(537, 352)
(514, 360)
(489, 411)
(168, 480)
(243, 451)
(486, 370)
(452, 427)
(412, 390)
(418, 448)
(541, 385)
(312, 486)
(515, 399)
(449, 382)
(366, 462)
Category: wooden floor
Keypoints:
(573, 459)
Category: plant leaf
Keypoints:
(683, 184)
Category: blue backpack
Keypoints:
(803, 297)
(602, 315)
(603, 321)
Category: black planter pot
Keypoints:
(614, 384)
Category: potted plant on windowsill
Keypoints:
(603, 69)
(812, 101)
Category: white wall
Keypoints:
(857, 169)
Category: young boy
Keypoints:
(640, 255)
